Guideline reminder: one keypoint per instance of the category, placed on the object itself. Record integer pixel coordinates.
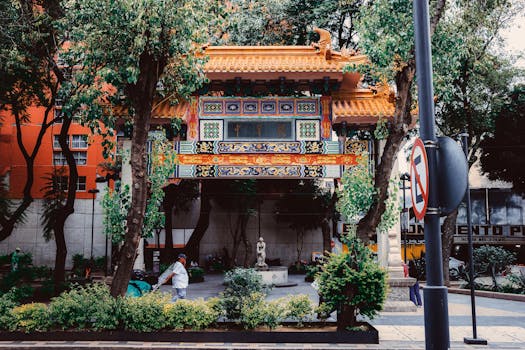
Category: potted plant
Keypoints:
(196, 274)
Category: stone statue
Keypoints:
(261, 254)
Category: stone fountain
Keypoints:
(274, 275)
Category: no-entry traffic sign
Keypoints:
(419, 179)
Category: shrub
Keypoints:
(353, 284)
(492, 260)
(192, 314)
(240, 283)
(146, 313)
(31, 317)
(275, 313)
(299, 308)
(323, 311)
(253, 311)
(91, 306)
(7, 303)
(517, 281)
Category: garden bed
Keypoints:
(311, 332)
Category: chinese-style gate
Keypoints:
(248, 122)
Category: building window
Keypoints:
(79, 141)
(80, 158)
(60, 183)
(81, 183)
(56, 144)
(59, 158)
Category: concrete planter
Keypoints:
(311, 333)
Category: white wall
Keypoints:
(28, 236)
(280, 240)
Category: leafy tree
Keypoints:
(472, 84)
(30, 77)
(357, 194)
(353, 284)
(116, 203)
(34, 78)
(386, 35)
(493, 260)
(502, 152)
(157, 41)
(290, 22)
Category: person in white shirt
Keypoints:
(179, 278)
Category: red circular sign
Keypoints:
(419, 179)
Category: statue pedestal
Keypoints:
(398, 295)
(275, 275)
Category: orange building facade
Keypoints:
(86, 148)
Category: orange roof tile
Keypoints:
(362, 107)
(237, 59)
(161, 110)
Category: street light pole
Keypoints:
(93, 191)
(437, 335)
(404, 214)
(474, 339)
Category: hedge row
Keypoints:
(92, 308)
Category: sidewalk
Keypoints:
(501, 322)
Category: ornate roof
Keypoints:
(270, 62)
(350, 104)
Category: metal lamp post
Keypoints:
(93, 191)
(404, 214)
(474, 339)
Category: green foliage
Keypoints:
(386, 35)
(288, 22)
(7, 303)
(493, 260)
(116, 203)
(31, 317)
(357, 194)
(353, 279)
(517, 281)
(90, 307)
(145, 313)
(255, 311)
(252, 311)
(162, 163)
(190, 314)
(240, 284)
(323, 311)
(195, 272)
(299, 308)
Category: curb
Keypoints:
(488, 294)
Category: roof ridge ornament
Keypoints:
(325, 42)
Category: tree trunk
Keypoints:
(192, 247)
(346, 316)
(397, 133)
(449, 228)
(141, 97)
(327, 241)
(66, 210)
(245, 240)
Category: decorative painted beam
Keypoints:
(267, 159)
